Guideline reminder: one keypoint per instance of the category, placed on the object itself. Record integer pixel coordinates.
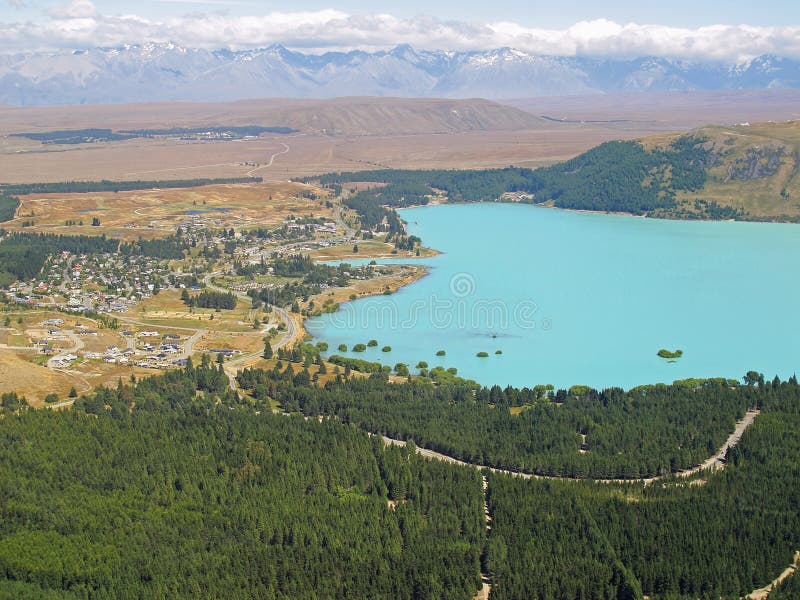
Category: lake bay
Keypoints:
(581, 298)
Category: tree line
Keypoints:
(8, 206)
(84, 187)
(210, 299)
(22, 255)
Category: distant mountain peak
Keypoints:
(168, 71)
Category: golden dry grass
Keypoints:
(156, 213)
(308, 155)
(19, 373)
(372, 133)
(166, 309)
(366, 249)
(244, 342)
(776, 195)
(101, 341)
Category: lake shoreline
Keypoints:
(751, 219)
(668, 260)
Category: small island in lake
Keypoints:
(669, 354)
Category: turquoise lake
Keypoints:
(580, 298)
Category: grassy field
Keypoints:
(156, 213)
(19, 373)
(166, 309)
(366, 249)
(762, 194)
(244, 342)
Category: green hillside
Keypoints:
(743, 172)
(752, 169)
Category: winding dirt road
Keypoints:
(762, 593)
(272, 158)
(714, 463)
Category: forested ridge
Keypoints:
(646, 431)
(722, 537)
(620, 176)
(175, 486)
(171, 488)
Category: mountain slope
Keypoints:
(743, 172)
(167, 72)
(370, 116)
(752, 169)
(340, 116)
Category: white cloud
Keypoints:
(16, 3)
(78, 24)
(76, 9)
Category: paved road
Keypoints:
(230, 366)
(349, 232)
(286, 337)
(188, 345)
(77, 344)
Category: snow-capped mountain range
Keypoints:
(168, 72)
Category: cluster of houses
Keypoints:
(63, 360)
(149, 349)
(45, 345)
(94, 282)
(327, 227)
(155, 350)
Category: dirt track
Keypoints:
(713, 463)
(763, 592)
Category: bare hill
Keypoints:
(669, 111)
(342, 116)
(752, 168)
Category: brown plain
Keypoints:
(360, 133)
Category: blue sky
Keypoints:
(730, 31)
(549, 14)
